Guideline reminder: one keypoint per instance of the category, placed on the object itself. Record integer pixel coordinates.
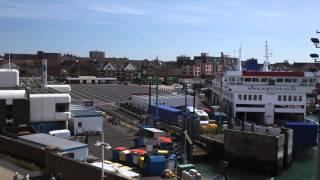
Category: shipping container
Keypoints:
(155, 165)
(168, 114)
(305, 135)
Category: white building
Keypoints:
(264, 97)
(85, 121)
(142, 101)
(31, 104)
(91, 80)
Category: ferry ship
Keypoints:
(263, 97)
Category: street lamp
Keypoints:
(316, 42)
(103, 146)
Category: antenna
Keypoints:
(267, 56)
(239, 60)
(9, 61)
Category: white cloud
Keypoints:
(118, 9)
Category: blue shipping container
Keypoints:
(167, 113)
(305, 135)
(155, 165)
(115, 155)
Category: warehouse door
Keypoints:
(79, 128)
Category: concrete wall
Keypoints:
(53, 163)
(258, 152)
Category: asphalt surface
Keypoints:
(108, 93)
(116, 136)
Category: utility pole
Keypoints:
(221, 86)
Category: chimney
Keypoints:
(44, 71)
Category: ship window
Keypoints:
(300, 98)
(250, 97)
(247, 79)
(264, 79)
(279, 80)
(289, 98)
(294, 98)
(279, 97)
(304, 80)
(260, 97)
(294, 80)
(255, 80)
(245, 97)
(284, 98)
(240, 97)
(241, 79)
(255, 97)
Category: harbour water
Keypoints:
(304, 167)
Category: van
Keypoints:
(63, 133)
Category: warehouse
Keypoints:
(142, 101)
(73, 149)
(91, 80)
(84, 121)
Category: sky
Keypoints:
(140, 29)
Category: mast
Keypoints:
(267, 55)
(9, 61)
(239, 68)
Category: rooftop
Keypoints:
(80, 111)
(48, 140)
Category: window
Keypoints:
(79, 124)
(279, 97)
(250, 97)
(284, 98)
(264, 80)
(294, 98)
(300, 98)
(245, 97)
(289, 98)
(288, 80)
(62, 107)
(255, 97)
(240, 97)
(247, 79)
(9, 113)
(294, 80)
(260, 97)
(255, 80)
(279, 80)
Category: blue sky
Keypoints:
(140, 29)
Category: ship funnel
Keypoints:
(44, 71)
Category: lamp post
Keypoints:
(103, 146)
(315, 57)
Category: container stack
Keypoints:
(116, 153)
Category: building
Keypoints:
(98, 55)
(91, 80)
(29, 103)
(206, 64)
(85, 121)
(264, 97)
(76, 150)
(11, 66)
(141, 102)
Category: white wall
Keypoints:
(88, 124)
(80, 154)
(43, 107)
(9, 78)
(142, 102)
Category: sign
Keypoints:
(271, 88)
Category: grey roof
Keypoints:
(80, 111)
(48, 140)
